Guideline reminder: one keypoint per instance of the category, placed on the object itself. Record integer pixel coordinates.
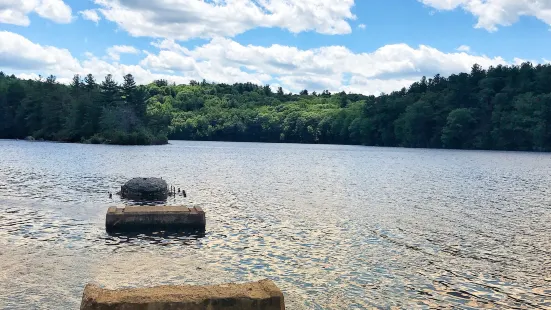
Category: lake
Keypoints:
(336, 227)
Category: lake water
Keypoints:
(336, 227)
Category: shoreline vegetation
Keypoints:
(501, 108)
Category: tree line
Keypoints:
(84, 111)
(501, 108)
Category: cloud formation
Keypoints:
(334, 68)
(494, 13)
(464, 48)
(186, 19)
(91, 15)
(16, 11)
(114, 52)
(19, 53)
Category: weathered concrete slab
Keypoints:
(135, 218)
(262, 295)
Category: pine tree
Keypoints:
(14, 95)
(92, 107)
(134, 97)
(110, 94)
(90, 82)
(76, 85)
(52, 109)
(128, 90)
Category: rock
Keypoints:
(262, 295)
(145, 189)
(30, 138)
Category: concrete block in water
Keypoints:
(262, 295)
(135, 218)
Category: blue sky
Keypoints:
(367, 46)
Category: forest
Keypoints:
(501, 108)
(84, 111)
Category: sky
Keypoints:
(359, 46)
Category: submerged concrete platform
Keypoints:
(135, 218)
(261, 295)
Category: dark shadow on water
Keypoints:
(131, 202)
(162, 237)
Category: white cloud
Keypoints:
(519, 61)
(55, 10)
(100, 68)
(169, 60)
(185, 19)
(91, 15)
(26, 59)
(444, 4)
(17, 52)
(464, 48)
(389, 60)
(28, 76)
(388, 68)
(361, 26)
(359, 84)
(275, 86)
(335, 68)
(114, 52)
(311, 82)
(494, 13)
(15, 11)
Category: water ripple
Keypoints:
(337, 227)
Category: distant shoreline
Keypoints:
(290, 143)
(83, 142)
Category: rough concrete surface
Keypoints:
(261, 295)
(134, 218)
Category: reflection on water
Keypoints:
(183, 237)
(336, 227)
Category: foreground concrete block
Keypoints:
(262, 295)
(136, 218)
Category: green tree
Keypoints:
(343, 100)
(458, 132)
(110, 95)
(415, 127)
(53, 109)
(502, 107)
(128, 90)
